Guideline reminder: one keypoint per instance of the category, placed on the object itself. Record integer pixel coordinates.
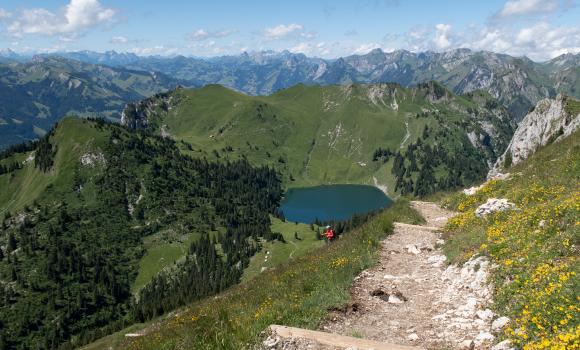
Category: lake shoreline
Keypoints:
(383, 188)
(332, 202)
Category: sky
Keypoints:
(538, 29)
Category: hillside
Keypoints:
(528, 254)
(533, 247)
(34, 95)
(83, 209)
(414, 140)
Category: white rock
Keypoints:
(412, 248)
(93, 159)
(485, 315)
(393, 299)
(504, 345)
(271, 341)
(493, 205)
(413, 337)
(499, 323)
(483, 337)
(465, 345)
(472, 190)
(538, 128)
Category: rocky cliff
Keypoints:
(550, 121)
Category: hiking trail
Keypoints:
(411, 297)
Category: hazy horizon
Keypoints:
(539, 30)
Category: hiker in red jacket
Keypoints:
(329, 234)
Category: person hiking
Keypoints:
(329, 234)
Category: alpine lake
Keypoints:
(331, 202)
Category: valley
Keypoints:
(178, 202)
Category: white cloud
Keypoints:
(309, 36)
(538, 41)
(365, 48)
(202, 34)
(119, 40)
(4, 14)
(441, 40)
(527, 7)
(320, 49)
(282, 30)
(155, 50)
(76, 17)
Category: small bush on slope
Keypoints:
(298, 293)
(535, 247)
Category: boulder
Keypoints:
(483, 338)
(472, 190)
(504, 345)
(412, 248)
(493, 205)
(485, 315)
(499, 323)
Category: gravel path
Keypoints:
(411, 297)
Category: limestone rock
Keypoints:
(499, 323)
(483, 338)
(504, 345)
(485, 315)
(472, 190)
(549, 121)
(412, 248)
(493, 205)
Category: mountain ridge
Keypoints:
(328, 134)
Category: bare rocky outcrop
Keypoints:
(492, 205)
(92, 159)
(136, 115)
(551, 120)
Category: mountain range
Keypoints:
(517, 82)
(35, 94)
(88, 83)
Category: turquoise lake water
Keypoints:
(332, 202)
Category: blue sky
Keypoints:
(539, 29)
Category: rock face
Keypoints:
(137, 115)
(493, 205)
(551, 120)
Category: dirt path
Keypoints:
(412, 298)
(407, 134)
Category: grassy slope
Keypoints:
(315, 135)
(162, 251)
(279, 252)
(74, 138)
(297, 293)
(535, 247)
